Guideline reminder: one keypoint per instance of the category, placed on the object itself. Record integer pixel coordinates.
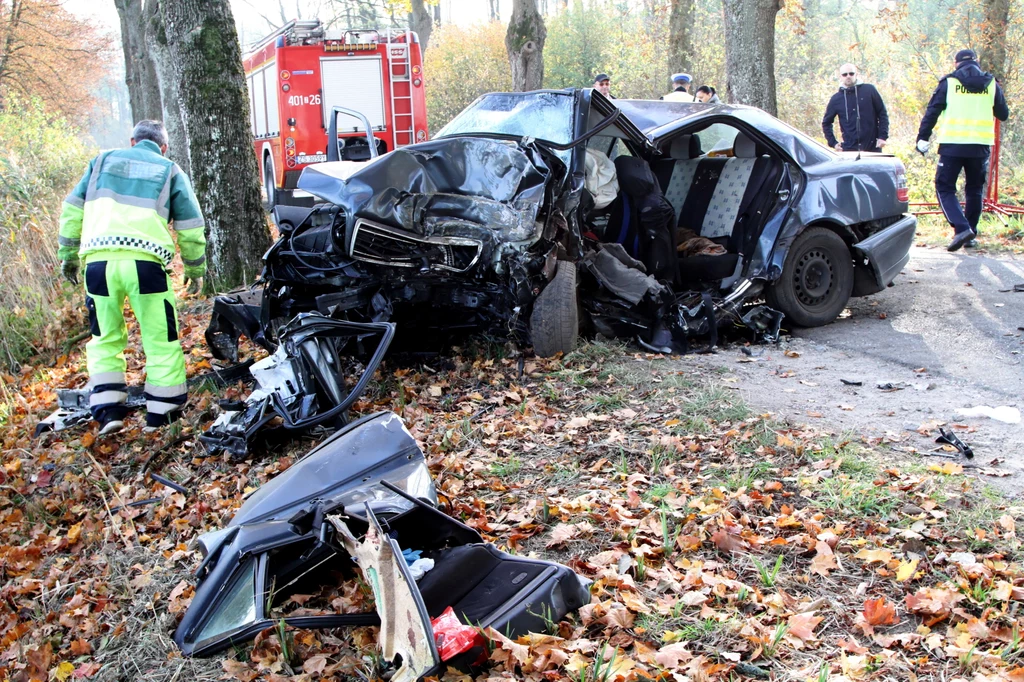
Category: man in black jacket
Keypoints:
(863, 120)
(966, 100)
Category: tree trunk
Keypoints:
(524, 42)
(140, 73)
(750, 52)
(10, 30)
(993, 37)
(207, 63)
(680, 46)
(422, 23)
(156, 45)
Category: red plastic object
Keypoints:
(453, 637)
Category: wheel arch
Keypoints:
(782, 292)
(839, 228)
(268, 151)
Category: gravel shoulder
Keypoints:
(944, 337)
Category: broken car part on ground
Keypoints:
(499, 223)
(73, 403)
(303, 382)
(365, 494)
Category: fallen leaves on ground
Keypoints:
(630, 468)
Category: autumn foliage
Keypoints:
(720, 545)
(46, 52)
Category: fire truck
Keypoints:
(299, 73)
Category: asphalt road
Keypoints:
(944, 335)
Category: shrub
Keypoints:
(462, 64)
(41, 158)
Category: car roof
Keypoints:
(659, 119)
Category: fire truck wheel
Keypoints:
(554, 324)
(268, 184)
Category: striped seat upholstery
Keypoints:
(711, 196)
(707, 193)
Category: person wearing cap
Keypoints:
(863, 119)
(965, 105)
(707, 95)
(681, 93)
(603, 84)
(118, 220)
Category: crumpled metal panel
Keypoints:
(487, 182)
(346, 468)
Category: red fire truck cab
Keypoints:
(299, 73)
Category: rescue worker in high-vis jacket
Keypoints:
(117, 220)
(965, 105)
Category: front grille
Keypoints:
(374, 243)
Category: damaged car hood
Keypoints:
(429, 188)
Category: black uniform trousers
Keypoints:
(946, 174)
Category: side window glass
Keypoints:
(604, 144)
(620, 149)
(717, 139)
(236, 609)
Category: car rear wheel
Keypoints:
(817, 279)
(555, 321)
(269, 188)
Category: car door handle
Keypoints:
(783, 194)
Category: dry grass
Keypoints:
(140, 646)
(994, 236)
(40, 160)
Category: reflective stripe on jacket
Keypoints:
(967, 118)
(125, 201)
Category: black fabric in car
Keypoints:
(705, 268)
(474, 580)
(649, 234)
(756, 199)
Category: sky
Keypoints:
(247, 12)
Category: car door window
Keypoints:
(620, 148)
(717, 139)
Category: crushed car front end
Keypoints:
(459, 232)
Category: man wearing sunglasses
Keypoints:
(863, 120)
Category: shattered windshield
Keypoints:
(543, 115)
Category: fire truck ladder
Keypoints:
(294, 30)
(405, 64)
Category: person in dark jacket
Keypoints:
(966, 102)
(707, 95)
(863, 120)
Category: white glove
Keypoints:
(922, 146)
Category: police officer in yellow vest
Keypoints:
(963, 105)
(117, 220)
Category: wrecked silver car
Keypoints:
(720, 214)
(361, 507)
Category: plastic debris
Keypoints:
(420, 567)
(1003, 413)
(453, 636)
(950, 438)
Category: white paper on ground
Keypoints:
(1003, 413)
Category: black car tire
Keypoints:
(268, 184)
(817, 279)
(555, 321)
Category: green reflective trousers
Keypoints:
(110, 277)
